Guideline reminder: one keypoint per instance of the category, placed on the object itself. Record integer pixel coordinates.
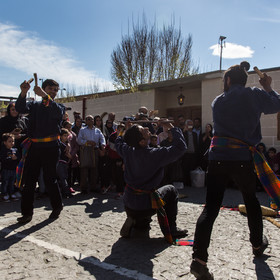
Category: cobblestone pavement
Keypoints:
(84, 243)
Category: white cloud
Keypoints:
(270, 20)
(28, 53)
(232, 51)
(9, 91)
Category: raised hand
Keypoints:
(24, 87)
(39, 91)
(266, 82)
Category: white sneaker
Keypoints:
(6, 198)
(17, 194)
(14, 197)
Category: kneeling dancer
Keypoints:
(144, 167)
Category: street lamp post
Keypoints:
(221, 39)
(42, 80)
(61, 90)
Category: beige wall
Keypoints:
(268, 122)
(168, 99)
(76, 106)
(210, 89)
(122, 104)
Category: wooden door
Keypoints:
(189, 112)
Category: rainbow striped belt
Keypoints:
(25, 147)
(45, 139)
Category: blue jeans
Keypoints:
(8, 180)
(62, 173)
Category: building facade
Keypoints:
(198, 91)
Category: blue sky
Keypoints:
(72, 40)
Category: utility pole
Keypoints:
(221, 39)
(61, 92)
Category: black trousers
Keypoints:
(143, 217)
(46, 158)
(189, 163)
(218, 176)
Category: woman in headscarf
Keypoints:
(15, 124)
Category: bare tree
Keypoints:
(151, 55)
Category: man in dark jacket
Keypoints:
(44, 124)
(144, 169)
(236, 116)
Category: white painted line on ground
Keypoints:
(79, 256)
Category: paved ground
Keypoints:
(84, 243)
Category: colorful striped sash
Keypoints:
(265, 174)
(46, 101)
(25, 147)
(157, 204)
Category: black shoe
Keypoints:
(68, 195)
(24, 219)
(178, 233)
(55, 214)
(259, 252)
(200, 271)
(127, 227)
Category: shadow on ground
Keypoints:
(129, 258)
(232, 197)
(263, 270)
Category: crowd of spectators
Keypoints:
(89, 161)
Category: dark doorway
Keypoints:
(189, 112)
